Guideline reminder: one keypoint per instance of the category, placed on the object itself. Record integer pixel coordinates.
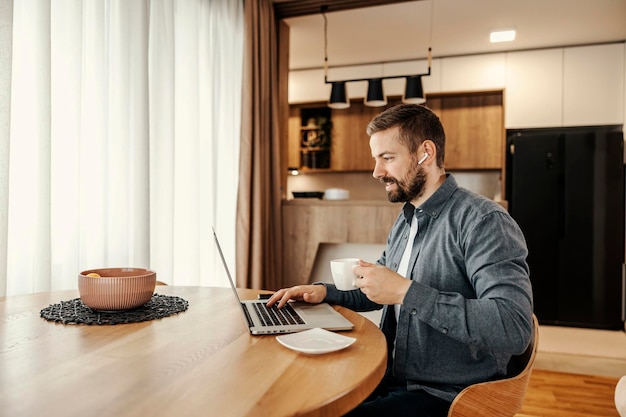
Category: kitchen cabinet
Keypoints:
(473, 73)
(474, 126)
(473, 121)
(593, 85)
(534, 89)
(561, 87)
(350, 149)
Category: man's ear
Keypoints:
(429, 147)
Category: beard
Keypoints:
(408, 188)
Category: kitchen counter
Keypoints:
(371, 203)
(349, 202)
(308, 222)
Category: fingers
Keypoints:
(281, 297)
(308, 293)
(360, 269)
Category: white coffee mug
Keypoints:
(341, 270)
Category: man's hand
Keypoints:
(380, 284)
(310, 293)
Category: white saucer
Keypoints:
(315, 341)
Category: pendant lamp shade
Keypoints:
(414, 92)
(375, 95)
(338, 96)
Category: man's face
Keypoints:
(396, 167)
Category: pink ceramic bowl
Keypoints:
(116, 289)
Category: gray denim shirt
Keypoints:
(469, 306)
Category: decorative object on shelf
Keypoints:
(414, 91)
(315, 136)
(337, 194)
(308, 194)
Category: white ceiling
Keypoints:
(402, 31)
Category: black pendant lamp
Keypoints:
(414, 91)
(338, 96)
(375, 95)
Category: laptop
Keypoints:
(294, 317)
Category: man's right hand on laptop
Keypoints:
(309, 293)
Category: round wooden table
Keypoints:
(201, 362)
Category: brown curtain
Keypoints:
(259, 199)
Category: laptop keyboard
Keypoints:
(272, 316)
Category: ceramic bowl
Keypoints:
(336, 194)
(116, 289)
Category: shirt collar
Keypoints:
(435, 202)
(409, 211)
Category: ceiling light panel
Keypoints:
(502, 36)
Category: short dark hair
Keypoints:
(416, 124)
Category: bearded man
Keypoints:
(453, 281)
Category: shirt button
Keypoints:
(395, 265)
(406, 235)
(444, 330)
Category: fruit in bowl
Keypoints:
(116, 289)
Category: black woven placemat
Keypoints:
(75, 312)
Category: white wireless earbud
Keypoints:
(423, 158)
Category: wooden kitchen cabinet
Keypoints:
(474, 126)
(350, 149)
(473, 121)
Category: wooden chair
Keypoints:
(620, 396)
(503, 397)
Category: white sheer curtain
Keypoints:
(123, 141)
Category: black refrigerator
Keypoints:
(565, 188)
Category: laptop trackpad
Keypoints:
(315, 310)
(323, 315)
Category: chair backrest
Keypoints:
(500, 398)
(620, 396)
